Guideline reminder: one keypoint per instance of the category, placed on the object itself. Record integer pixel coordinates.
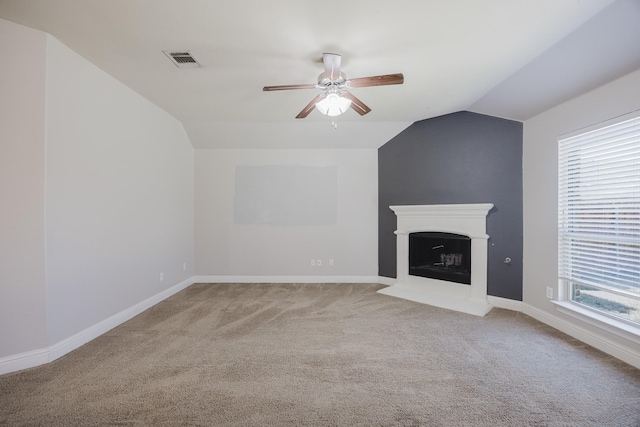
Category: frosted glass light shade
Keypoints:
(333, 105)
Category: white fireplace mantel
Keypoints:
(464, 219)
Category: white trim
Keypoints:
(612, 326)
(628, 354)
(388, 281)
(469, 211)
(40, 357)
(25, 360)
(286, 279)
(69, 344)
(507, 304)
(604, 123)
(33, 358)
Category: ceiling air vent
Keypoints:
(182, 59)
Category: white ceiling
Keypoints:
(455, 55)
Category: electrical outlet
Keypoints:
(184, 266)
(331, 262)
(313, 263)
(161, 277)
(319, 263)
(549, 292)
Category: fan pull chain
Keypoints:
(334, 122)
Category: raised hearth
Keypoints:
(462, 220)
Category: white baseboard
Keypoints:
(508, 304)
(24, 360)
(389, 281)
(286, 279)
(39, 357)
(627, 354)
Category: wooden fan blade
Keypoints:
(331, 63)
(360, 107)
(386, 79)
(310, 106)
(288, 87)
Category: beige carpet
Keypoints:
(323, 355)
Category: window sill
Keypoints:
(613, 326)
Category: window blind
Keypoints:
(599, 208)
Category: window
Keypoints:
(599, 219)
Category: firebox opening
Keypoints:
(443, 256)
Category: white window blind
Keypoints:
(599, 210)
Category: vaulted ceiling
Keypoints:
(507, 58)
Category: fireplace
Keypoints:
(442, 256)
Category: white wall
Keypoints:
(22, 152)
(224, 248)
(540, 162)
(96, 200)
(119, 196)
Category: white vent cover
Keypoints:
(183, 59)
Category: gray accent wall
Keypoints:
(462, 157)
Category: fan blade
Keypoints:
(310, 106)
(288, 87)
(331, 63)
(360, 107)
(386, 79)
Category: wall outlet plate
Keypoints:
(549, 292)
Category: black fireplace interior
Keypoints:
(443, 256)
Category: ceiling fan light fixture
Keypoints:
(333, 105)
(336, 98)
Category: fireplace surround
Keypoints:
(463, 220)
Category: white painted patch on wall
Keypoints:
(286, 195)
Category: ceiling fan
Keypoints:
(335, 99)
